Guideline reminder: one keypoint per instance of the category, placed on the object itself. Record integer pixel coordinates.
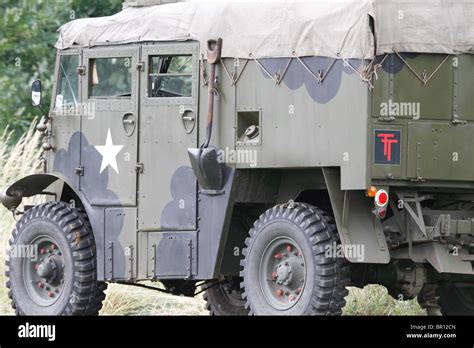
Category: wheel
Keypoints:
(225, 298)
(286, 267)
(97, 299)
(51, 263)
(456, 300)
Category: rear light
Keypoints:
(371, 192)
(381, 212)
(381, 198)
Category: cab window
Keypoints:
(110, 78)
(68, 82)
(171, 76)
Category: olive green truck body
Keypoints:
(318, 130)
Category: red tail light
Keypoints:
(381, 198)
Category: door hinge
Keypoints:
(81, 70)
(80, 171)
(139, 168)
(141, 66)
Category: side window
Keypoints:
(171, 76)
(110, 78)
(68, 82)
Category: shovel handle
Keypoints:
(214, 51)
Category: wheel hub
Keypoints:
(50, 269)
(284, 270)
(284, 273)
(44, 276)
(45, 270)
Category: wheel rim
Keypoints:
(44, 275)
(282, 273)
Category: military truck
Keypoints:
(270, 154)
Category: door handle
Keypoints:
(129, 123)
(189, 121)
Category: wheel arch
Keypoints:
(36, 184)
(352, 210)
(257, 190)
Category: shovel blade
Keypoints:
(207, 168)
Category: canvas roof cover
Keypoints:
(424, 26)
(281, 28)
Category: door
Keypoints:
(168, 127)
(109, 126)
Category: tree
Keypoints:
(28, 32)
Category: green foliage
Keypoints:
(27, 37)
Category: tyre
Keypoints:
(51, 263)
(456, 300)
(97, 300)
(286, 268)
(225, 299)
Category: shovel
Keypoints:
(204, 160)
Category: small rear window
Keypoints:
(171, 76)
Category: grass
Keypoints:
(23, 159)
(375, 300)
(15, 162)
(126, 300)
(130, 300)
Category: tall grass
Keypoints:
(15, 162)
(23, 158)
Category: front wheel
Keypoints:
(51, 263)
(289, 267)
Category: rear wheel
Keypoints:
(287, 270)
(225, 298)
(456, 300)
(51, 263)
(97, 300)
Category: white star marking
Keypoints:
(109, 153)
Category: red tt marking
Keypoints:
(387, 141)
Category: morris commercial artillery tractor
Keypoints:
(271, 154)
